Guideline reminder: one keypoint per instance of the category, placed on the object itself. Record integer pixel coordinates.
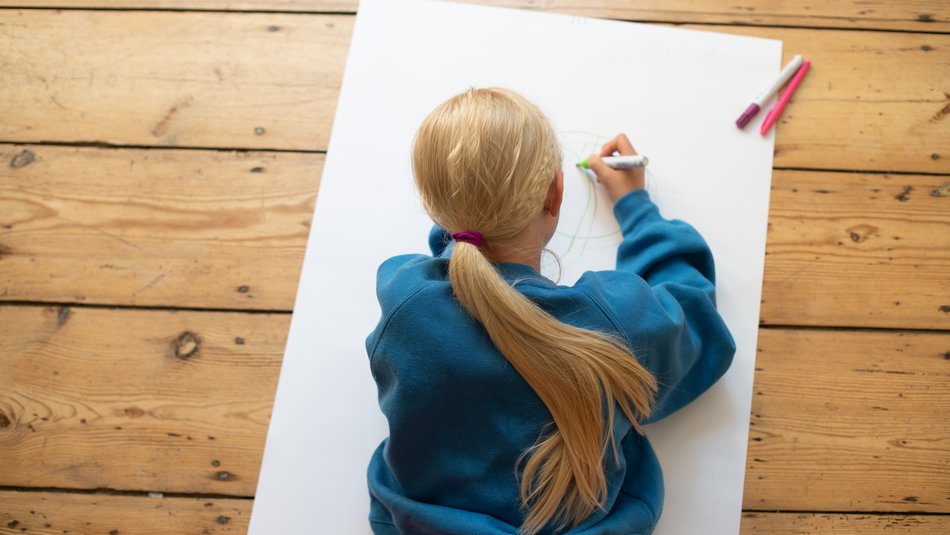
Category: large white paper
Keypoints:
(675, 92)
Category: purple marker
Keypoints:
(767, 93)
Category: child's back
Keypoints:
(468, 417)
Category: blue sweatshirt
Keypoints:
(460, 415)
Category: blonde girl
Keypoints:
(515, 405)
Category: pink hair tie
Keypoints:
(470, 236)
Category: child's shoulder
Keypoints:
(401, 276)
(389, 267)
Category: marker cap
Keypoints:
(747, 115)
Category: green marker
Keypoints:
(620, 162)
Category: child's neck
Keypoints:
(526, 247)
(528, 256)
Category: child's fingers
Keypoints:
(618, 144)
(624, 146)
(598, 166)
(609, 147)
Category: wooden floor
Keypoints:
(159, 164)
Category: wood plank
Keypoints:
(920, 15)
(853, 111)
(136, 400)
(201, 229)
(850, 421)
(874, 101)
(858, 249)
(874, 14)
(832, 407)
(842, 524)
(171, 79)
(58, 513)
(54, 513)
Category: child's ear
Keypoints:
(552, 204)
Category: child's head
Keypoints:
(486, 161)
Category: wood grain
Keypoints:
(842, 524)
(171, 79)
(850, 113)
(49, 513)
(152, 400)
(858, 249)
(879, 14)
(57, 513)
(850, 421)
(923, 15)
(136, 400)
(208, 229)
(873, 101)
(127, 399)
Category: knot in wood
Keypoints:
(187, 345)
(62, 316)
(904, 195)
(861, 233)
(22, 159)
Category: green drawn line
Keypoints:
(580, 222)
(591, 190)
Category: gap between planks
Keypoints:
(158, 308)
(119, 146)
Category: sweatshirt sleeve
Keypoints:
(662, 299)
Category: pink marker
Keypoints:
(767, 93)
(783, 101)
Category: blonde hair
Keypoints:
(484, 161)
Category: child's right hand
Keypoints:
(617, 182)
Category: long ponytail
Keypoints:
(484, 160)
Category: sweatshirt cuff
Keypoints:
(634, 207)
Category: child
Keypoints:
(501, 388)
